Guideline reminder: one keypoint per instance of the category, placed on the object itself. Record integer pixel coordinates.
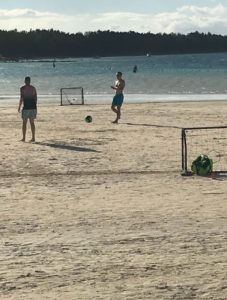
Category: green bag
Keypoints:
(202, 165)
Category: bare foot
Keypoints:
(22, 140)
(115, 122)
(32, 141)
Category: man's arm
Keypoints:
(35, 95)
(114, 87)
(21, 100)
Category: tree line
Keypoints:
(51, 43)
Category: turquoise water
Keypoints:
(159, 78)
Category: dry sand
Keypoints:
(100, 211)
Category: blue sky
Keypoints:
(155, 16)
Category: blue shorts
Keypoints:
(118, 100)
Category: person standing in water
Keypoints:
(118, 97)
(135, 69)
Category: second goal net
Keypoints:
(210, 141)
(71, 96)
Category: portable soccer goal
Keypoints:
(72, 96)
(210, 141)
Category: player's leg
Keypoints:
(24, 129)
(113, 107)
(115, 110)
(32, 123)
(119, 112)
(116, 106)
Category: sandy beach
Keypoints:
(101, 211)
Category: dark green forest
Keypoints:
(15, 45)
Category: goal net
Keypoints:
(72, 96)
(210, 141)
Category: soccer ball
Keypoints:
(88, 119)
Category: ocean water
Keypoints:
(159, 78)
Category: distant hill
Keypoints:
(16, 45)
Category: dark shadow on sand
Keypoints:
(152, 125)
(218, 175)
(66, 147)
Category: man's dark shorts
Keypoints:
(29, 114)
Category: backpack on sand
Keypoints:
(202, 165)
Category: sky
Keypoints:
(155, 16)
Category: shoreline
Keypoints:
(129, 98)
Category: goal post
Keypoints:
(210, 141)
(71, 96)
